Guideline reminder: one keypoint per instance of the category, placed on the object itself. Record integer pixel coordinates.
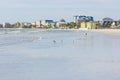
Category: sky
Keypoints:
(34, 10)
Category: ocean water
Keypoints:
(35, 54)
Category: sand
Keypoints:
(60, 55)
(110, 32)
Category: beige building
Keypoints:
(89, 25)
(83, 25)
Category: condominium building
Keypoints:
(82, 18)
(7, 25)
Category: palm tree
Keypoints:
(62, 24)
(72, 25)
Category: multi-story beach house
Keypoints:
(61, 24)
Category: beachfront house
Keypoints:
(106, 22)
(61, 24)
(84, 21)
(89, 25)
(43, 24)
(47, 23)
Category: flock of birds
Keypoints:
(85, 34)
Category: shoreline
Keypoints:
(110, 32)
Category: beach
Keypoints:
(36, 54)
(110, 32)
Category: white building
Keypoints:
(38, 24)
(47, 23)
(44, 24)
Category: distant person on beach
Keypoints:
(73, 41)
(54, 41)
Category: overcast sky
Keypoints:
(32, 10)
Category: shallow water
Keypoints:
(34, 54)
